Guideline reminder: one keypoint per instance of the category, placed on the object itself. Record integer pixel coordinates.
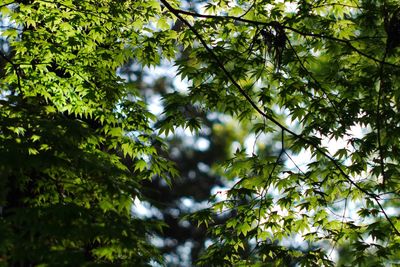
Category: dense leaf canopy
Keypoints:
(316, 82)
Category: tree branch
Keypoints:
(221, 66)
(378, 118)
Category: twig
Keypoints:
(248, 10)
(274, 23)
(312, 77)
(15, 67)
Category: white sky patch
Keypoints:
(166, 69)
(249, 144)
(154, 105)
(235, 146)
(140, 209)
(180, 84)
(300, 160)
(291, 7)
(334, 145)
(189, 205)
(202, 144)
(143, 209)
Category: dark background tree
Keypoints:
(196, 155)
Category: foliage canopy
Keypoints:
(77, 142)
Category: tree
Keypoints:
(303, 73)
(331, 67)
(76, 142)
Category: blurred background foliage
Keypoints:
(197, 155)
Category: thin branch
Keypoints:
(274, 23)
(248, 10)
(295, 164)
(378, 119)
(221, 66)
(16, 68)
(346, 42)
(312, 77)
(343, 217)
(264, 190)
